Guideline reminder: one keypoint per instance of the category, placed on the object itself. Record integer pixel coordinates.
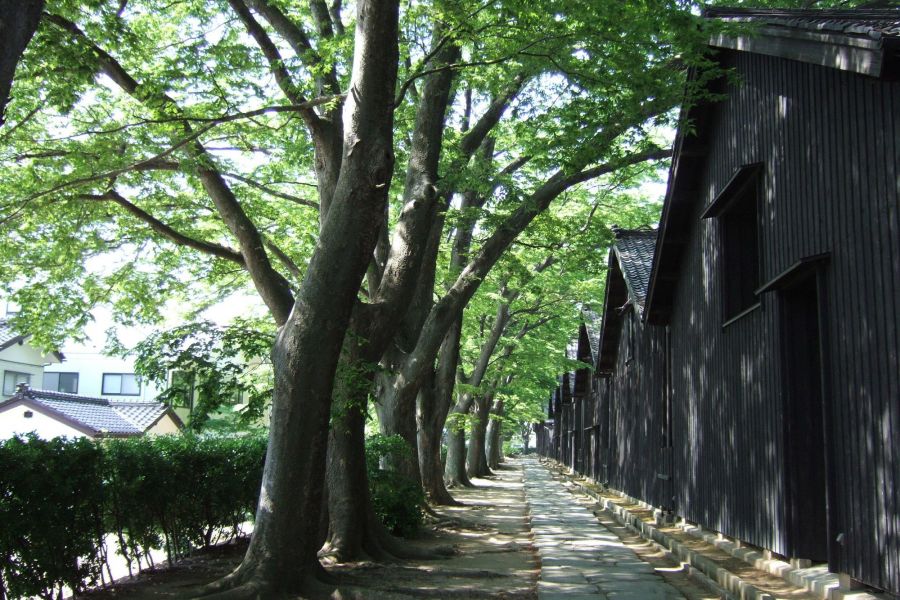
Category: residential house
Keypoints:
(55, 414)
(88, 372)
(20, 362)
(754, 382)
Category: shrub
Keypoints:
(511, 449)
(60, 498)
(51, 500)
(398, 501)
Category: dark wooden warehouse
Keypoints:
(756, 391)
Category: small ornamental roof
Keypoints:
(97, 417)
(9, 337)
(630, 265)
(869, 23)
(634, 248)
(592, 324)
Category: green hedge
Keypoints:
(398, 501)
(59, 499)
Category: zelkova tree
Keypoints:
(318, 154)
(517, 326)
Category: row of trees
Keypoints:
(367, 169)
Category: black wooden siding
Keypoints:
(829, 143)
(636, 445)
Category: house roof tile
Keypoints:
(8, 337)
(593, 323)
(99, 415)
(634, 249)
(870, 23)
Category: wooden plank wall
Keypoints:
(635, 402)
(830, 145)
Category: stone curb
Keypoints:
(816, 580)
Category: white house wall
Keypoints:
(164, 426)
(23, 358)
(14, 422)
(91, 367)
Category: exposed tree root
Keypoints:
(247, 583)
(402, 549)
(459, 483)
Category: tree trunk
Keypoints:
(19, 21)
(399, 418)
(476, 460)
(434, 416)
(494, 442)
(430, 417)
(455, 470)
(282, 556)
(349, 507)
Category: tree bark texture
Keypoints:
(476, 459)
(455, 468)
(431, 413)
(494, 441)
(18, 21)
(282, 557)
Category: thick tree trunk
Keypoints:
(282, 557)
(349, 509)
(399, 418)
(430, 417)
(455, 469)
(433, 415)
(476, 459)
(494, 442)
(18, 21)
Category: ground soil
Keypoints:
(493, 556)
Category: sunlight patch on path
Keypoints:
(582, 559)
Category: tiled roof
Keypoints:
(593, 324)
(635, 248)
(8, 337)
(869, 23)
(99, 415)
(142, 414)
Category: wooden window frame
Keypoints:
(103, 391)
(740, 275)
(59, 375)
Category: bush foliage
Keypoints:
(399, 501)
(60, 500)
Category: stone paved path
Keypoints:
(580, 558)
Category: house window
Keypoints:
(61, 382)
(13, 378)
(736, 210)
(181, 393)
(121, 384)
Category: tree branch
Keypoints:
(165, 230)
(285, 260)
(271, 285)
(272, 192)
(297, 39)
(276, 63)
